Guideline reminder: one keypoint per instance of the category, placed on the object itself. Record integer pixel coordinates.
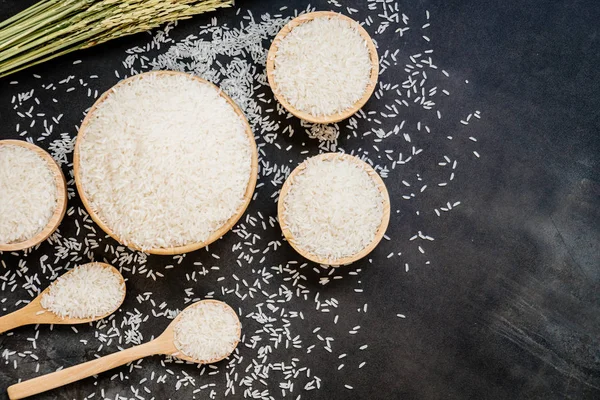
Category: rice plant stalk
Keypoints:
(51, 28)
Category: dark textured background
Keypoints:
(512, 308)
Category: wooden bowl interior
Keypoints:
(190, 246)
(378, 235)
(61, 198)
(325, 119)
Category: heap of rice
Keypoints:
(207, 331)
(88, 291)
(333, 208)
(28, 194)
(165, 161)
(322, 66)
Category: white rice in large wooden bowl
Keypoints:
(165, 162)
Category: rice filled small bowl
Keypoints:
(33, 195)
(322, 67)
(165, 162)
(334, 209)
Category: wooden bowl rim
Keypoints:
(190, 246)
(339, 116)
(61, 198)
(380, 231)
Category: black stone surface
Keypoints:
(510, 306)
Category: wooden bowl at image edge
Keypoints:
(61, 198)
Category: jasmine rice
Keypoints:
(165, 161)
(207, 331)
(333, 208)
(28, 194)
(87, 291)
(322, 66)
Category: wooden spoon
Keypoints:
(164, 344)
(34, 313)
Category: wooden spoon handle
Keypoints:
(14, 320)
(72, 374)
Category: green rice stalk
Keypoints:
(52, 28)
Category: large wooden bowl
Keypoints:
(190, 246)
(61, 198)
(325, 119)
(380, 231)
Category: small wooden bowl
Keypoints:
(191, 246)
(61, 198)
(326, 119)
(380, 231)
